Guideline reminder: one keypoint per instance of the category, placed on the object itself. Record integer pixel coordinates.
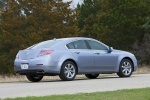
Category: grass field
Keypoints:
(131, 94)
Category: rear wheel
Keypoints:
(34, 78)
(125, 69)
(68, 71)
(91, 76)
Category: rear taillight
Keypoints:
(45, 52)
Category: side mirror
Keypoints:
(110, 49)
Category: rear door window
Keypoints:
(79, 44)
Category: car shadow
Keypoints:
(76, 79)
(84, 78)
(80, 79)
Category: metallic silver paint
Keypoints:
(88, 61)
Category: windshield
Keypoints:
(45, 44)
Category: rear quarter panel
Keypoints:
(60, 54)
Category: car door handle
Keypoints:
(97, 53)
(76, 52)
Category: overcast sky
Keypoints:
(74, 3)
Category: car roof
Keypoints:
(73, 38)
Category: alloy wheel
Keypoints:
(69, 70)
(126, 68)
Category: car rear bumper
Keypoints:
(40, 65)
(35, 72)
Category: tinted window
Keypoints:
(46, 44)
(80, 44)
(96, 46)
(70, 46)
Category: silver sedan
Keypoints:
(68, 57)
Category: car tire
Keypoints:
(34, 78)
(125, 68)
(68, 71)
(91, 76)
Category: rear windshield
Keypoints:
(45, 44)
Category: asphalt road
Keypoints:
(84, 85)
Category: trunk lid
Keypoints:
(28, 54)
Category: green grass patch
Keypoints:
(128, 94)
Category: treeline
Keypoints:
(122, 24)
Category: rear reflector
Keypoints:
(45, 52)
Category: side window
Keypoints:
(80, 44)
(70, 45)
(96, 46)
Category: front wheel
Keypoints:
(91, 76)
(125, 68)
(68, 71)
(34, 78)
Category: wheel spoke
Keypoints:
(123, 66)
(71, 74)
(68, 74)
(126, 72)
(129, 67)
(129, 70)
(123, 70)
(68, 65)
(71, 67)
(124, 63)
(72, 71)
(66, 68)
(66, 71)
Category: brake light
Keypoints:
(45, 52)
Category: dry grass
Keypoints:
(12, 78)
(22, 78)
(143, 70)
(19, 78)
